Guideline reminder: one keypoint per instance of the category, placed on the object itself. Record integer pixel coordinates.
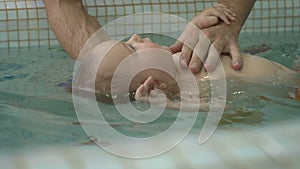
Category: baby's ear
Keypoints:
(144, 90)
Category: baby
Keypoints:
(151, 80)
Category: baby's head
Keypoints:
(135, 53)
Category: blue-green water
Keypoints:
(37, 110)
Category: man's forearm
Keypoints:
(241, 8)
(71, 24)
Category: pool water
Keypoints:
(36, 109)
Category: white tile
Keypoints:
(34, 43)
(273, 22)
(54, 42)
(138, 8)
(13, 44)
(99, 2)
(33, 34)
(191, 7)
(23, 35)
(23, 44)
(31, 4)
(33, 24)
(147, 8)
(32, 13)
(11, 5)
(12, 25)
(3, 36)
(43, 42)
(101, 11)
(22, 14)
(11, 15)
(43, 23)
(257, 23)
(21, 5)
(109, 2)
(3, 15)
(52, 35)
(2, 5)
(120, 10)
(165, 8)
(182, 8)
(283, 22)
(273, 4)
(281, 4)
(289, 22)
(90, 3)
(289, 3)
(110, 11)
(174, 8)
(257, 14)
(257, 5)
(42, 13)
(92, 11)
(13, 35)
(40, 3)
(128, 9)
(290, 13)
(118, 2)
(136, 1)
(23, 24)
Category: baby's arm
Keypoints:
(256, 69)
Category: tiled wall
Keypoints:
(23, 23)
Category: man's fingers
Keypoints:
(229, 15)
(213, 56)
(207, 22)
(202, 47)
(236, 56)
(176, 47)
(195, 63)
(199, 54)
(220, 15)
(185, 56)
(223, 9)
(226, 11)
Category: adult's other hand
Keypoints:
(197, 49)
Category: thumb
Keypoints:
(176, 47)
(207, 21)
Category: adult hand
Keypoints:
(211, 25)
(224, 40)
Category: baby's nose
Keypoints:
(135, 38)
(147, 40)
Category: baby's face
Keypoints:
(136, 43)
(121, 51)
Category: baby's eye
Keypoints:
(131, 47)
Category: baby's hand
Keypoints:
(143, 91)
(151, 91)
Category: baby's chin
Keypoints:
(176, 59)
(108, 44)
(166, 48)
